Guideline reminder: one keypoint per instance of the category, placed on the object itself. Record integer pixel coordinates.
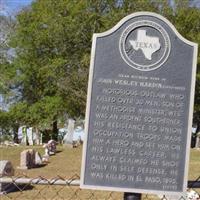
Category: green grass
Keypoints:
(66, 164)
(194, 166)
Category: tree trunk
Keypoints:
(55, 131)
(15, 130)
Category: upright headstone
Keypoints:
(24, 157)
(45, 157)
(27, 159)
(46, 150)
(30, 135)
(36, 136)
(20, 135)
(139, 108)
(24, 135)
(68, 138)
(197, 145)
(38, 158)
(6, 169)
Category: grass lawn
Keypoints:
(194, 167)
(66, 164)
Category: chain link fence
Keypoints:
(24, 188)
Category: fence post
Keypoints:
(132, 196)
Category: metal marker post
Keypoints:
(132, 196)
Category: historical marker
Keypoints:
(139, 107)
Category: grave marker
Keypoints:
(38, 159)
(6, 169)
(27, 159)
(30, 135)
(52, 147)
(139, 108)
(68, 138)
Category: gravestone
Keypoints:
(197, 145)
(27, 159)
(30, 135)
(52, 147)
(68, 138)
(38, 158)
(6, 169)
(139, 108)
(24, 135)
(45, 157)
(46, 149)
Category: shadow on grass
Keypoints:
(39, 166)
(58, 151)
(12, 187)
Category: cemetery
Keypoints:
(72, 159)
(33, 155)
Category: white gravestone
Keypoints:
(68, 139)
(38, 158)
(24, 135)
(45, 157)
(37, 137)
(30, 135)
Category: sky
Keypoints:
(8, 7)
(11, 7)
(196, 3)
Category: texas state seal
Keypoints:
(145, 45)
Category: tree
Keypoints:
(52, 40)
(7, 26)
(187, 21)
(4, 125)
